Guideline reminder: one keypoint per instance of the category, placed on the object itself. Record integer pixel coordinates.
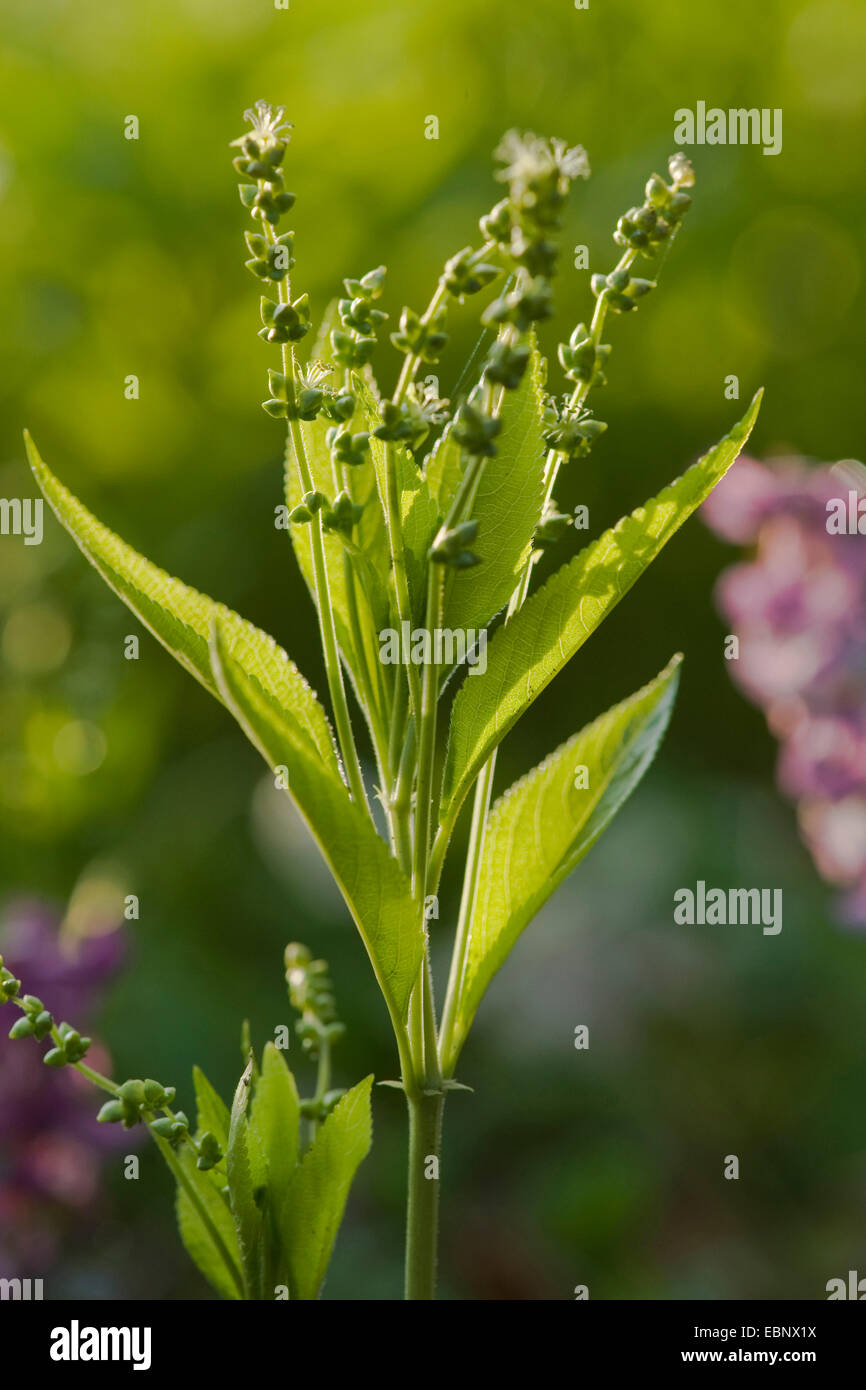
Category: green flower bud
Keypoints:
(132, 1094)
(111, 1113)
(350, 449)
(507, 365)
(537, 255)
(279, 386)
(466, 274)
(523, 306)
(424, 340)
(154, 1095)
(256, 244)
(476, 431)
(496, 224)
(164, 1127)
(76, 1047)
(247, 193)
(351, 350)
(343, 516)
(551, 528)
(209, 1152)
(449, 546)
(42, 1025)
(23, 1028)
(9, 986)
(55, 1058)
(309, 402)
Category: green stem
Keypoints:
(480, 810)
(427, 734)
(324, 606)
(422, 1216)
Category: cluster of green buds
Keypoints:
(131, 1103)
(35, 1021)
(468, 273)
(311, 993)
(340, 516)
(9, 985)
(70, 1047)
(353, 343)
(475, 430)
(261, 153)
(622, 290)
(137, 1101)
(425, 338)
(528, 303)
(411, 421)
(648, 227)
(285, 323)
(571, 432)
(450, 546)
(583, 360)
(263, 191)
(539, 173)
(149, 1102)
(270, 260)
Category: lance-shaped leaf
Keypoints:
(204, 1216)
(526, 653)
(317, 1195)
(543, 826)
(181, 617)
(273, 1124)
(507, 507)
(245, 1196)
(371, 881)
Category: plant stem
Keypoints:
(324, 606)
(422, 1218)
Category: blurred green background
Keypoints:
(116, 257)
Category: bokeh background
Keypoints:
(602, 1167)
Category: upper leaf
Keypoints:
(213, 1113)
(526, 653)
(245, 1208)
(371, 881)
(181, 618)
(544, 825)
(507, 507)
(205, 1219)
(317, 1197)
(273, 1125)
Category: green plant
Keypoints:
(417, 523)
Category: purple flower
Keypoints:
(50, 1141)
(798, 607)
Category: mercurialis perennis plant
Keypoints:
(416, 521)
